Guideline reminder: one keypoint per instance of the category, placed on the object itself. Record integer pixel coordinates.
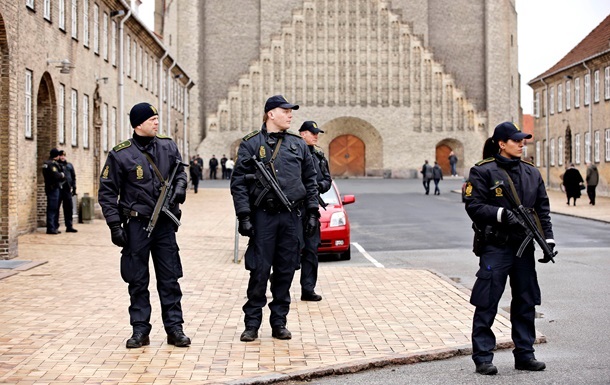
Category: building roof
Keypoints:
(594, 44)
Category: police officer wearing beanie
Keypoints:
(276, 233)
(67, 191)
(490, 212)
(129, 188)
(309, 257)
(53, 180)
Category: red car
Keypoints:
(334, 224)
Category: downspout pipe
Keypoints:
(547, 151)
(168, 96)
(590, 114)
(121, 72)
(160, 92)
(185, 115)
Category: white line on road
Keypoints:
(367, 255)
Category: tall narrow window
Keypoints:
(74, 20)
(587, 147)
(560, 154)
(28, 104)
(596, 156)
(62, 14)
(113, 39)
(61, 113)
(140, 64)
(105, 127)
(568, 95)
(85, 121)
(113, 127)
(86, 23)
(596, 86)
(552, 150)
(74, 121)
(134, 60)
(537, 153)
(607, 134)
(607, 83)
(537, 105)
(105, 36)
(96, 29)
(47, 9)
(587, 98)
(552, 100)
(577, 148)
(145, 70)
(128, 56)
(577, 93)
(559, 97)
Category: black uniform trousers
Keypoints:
(65, 200)
(162, 246)
(276, 243)
(53, 196)
(496, 264)
(309, 262)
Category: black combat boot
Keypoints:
(137, 340)
(177, 338)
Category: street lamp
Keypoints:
(64, 65)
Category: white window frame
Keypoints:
(113, 46)
(74, 20)
(577, 93)
(113, 126)
(587, 146)
(559, 97)
(61, 114)
(552, 152)
(96, 29)
(537, 153)
(62, 14)
(587, 89)
(145, 81)
(607, 83)
(596, 86)
(46, 6)
(134, 60)
(568, 95)
(596, 147)
(29, 75)
(85, 121)
(86, 23)
(105, 36)
(577, 149)
(560, 154)
(552, 100)
(140, 63)
(607, 135)
(74, 120)
(105, 127)
(29, 4)
(536, 105)
(128, 57)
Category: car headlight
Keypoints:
(337, 219)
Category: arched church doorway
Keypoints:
(46, 139)
(347, 156)
(443, 149)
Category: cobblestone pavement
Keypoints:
(64, 313)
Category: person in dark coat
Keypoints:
(572, 180)
(592, 181)
(54, 178)
(196, 174)
(213, 164)
(68, 190)
(130, 186)
(437, 175)
(491, 214)
(275, 231)
(427, 175)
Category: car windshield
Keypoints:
(330, 197)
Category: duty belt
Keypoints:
(134, 214)
(273, 206)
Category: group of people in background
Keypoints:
(573, 183)
(60, 187)
(196, 169)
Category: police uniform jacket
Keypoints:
(53, 175)
(128, 181)
(294, 170)
(70, 175)
(322, 172)
(484, 203)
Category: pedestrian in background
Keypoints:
(437, 175)
(213, 164)
(427, 175)
(490, 211)
(196, 173)
(230, 164)
(54, 178)
(223, 166)
(275, 231)
(309, 257)
(130, 186)
(67, 191)
(572, 182)
(453, 159)
(592, 180)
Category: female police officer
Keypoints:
(489, 209)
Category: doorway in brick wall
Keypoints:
(443, 149)
(347, 156)
(46, 138)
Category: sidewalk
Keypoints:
(65, 321)
(599, 212)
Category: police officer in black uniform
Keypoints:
(129, 188)
(276, 234)
(53, 180)
(309, 257)
(489, 209)
(67, 191)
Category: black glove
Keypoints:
(179, 195)
(73, 191)
(245, 227)
(311, 223)
(546, 258)
(509, 218)
(117, 233)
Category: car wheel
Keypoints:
(346, 255)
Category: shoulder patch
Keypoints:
(528, 162)
(486, 160)
(293, 134)
(250, 135)
(122, 145)
(159, 136)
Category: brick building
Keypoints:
(70, 70)
(572, 110)
(391, 82)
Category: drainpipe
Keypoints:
(548, 151)
(169, 79)
(590, 114)
(160, 85)
(185, 114)
(121, 72)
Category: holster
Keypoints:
(479, 240)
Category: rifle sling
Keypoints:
(518, 201)
(276, 151)
(154, 166)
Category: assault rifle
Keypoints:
(528, 223)
(162, 205)
(268, 183)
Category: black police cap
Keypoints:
(509, 130)
(311, 126)
(279, 101)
